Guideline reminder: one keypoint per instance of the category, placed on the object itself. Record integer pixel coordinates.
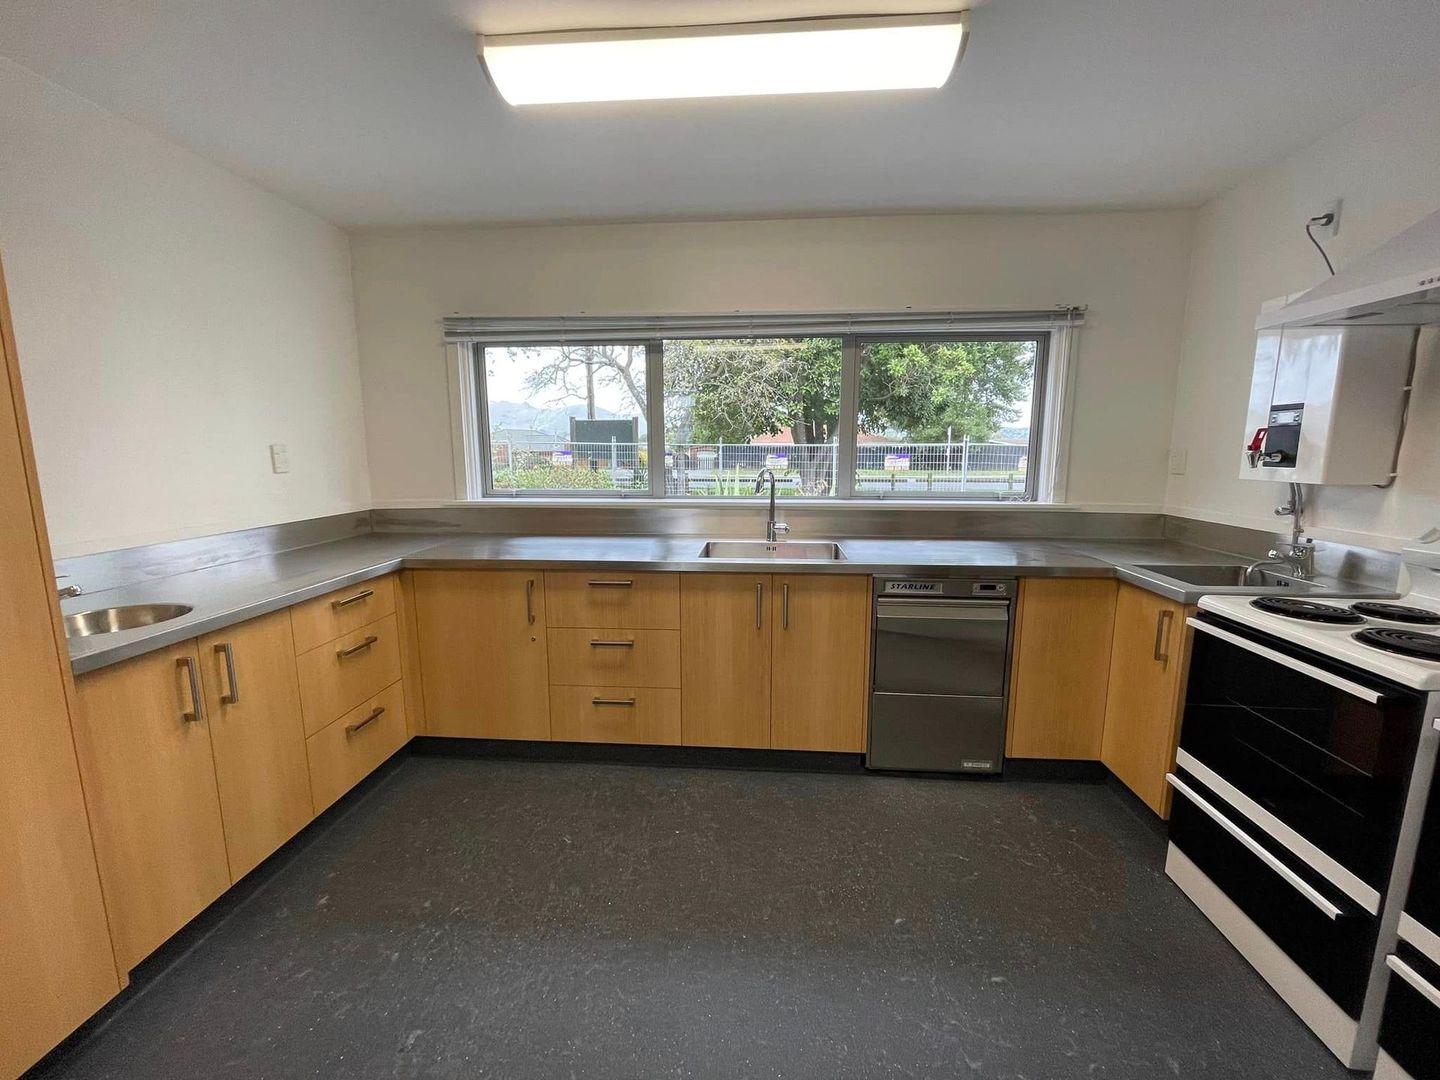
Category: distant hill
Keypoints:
(522, 416)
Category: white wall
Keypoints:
(172, 321)
(1129, 267)
(1250, 246)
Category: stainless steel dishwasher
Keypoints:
(942, 659)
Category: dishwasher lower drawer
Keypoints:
(936, 733)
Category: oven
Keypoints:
(1311, 753)
(1410, 1029)
(1292, 784)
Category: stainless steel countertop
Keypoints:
(231, 593)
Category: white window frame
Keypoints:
(1051, 421)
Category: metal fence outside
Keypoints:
(899, 469)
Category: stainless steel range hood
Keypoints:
(1397, 284)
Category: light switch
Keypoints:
(1179, 458)
(279, 457)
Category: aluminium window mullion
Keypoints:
(849, 418)
(1040, 377)
(655, 415)
(482, 409)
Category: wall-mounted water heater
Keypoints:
(1333, 366)
(1327, 403)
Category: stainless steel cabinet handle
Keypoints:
(759, 606)
(197, 710)
(785, 607)
(596, 643)
(375, 714)
(365, 595)
(626, 701)
(233, 697)
(530, 601)
(1418, 982)
(342, 653)
(1299, 884)
(611, 584)
(1162, 637)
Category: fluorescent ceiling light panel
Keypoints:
(808, 56)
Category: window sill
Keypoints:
(747, 501)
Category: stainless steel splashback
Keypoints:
(515, 518)
(126, 566)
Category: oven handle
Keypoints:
(1299, 884)
(1418, 982)
(1353, 689)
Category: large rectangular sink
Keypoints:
(1227, 576)
(783, 550)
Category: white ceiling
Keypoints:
(376, 112)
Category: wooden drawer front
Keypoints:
(599, 657)
(341, 674)
(343, 611)
(613, 600)
(615, 714)
(348, 750)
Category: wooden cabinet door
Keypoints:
(252, 696)
(1147, 679)
(149, 776)
(56, 964)
(820, 677)
(1060, 666)
(482, 653)
(725, 634)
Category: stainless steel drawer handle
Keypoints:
(360, 725)
(611, 584)
(1299, 884)
(596, 643)
(197, 709)
(1162, 625)
(233, 697)
(342, 653)
(785, 606)
(364, 595)
(759, 606)
(530, 601)
(1353, 689)
(628, 702)
(1418, 982)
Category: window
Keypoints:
(566, 419)
(670, 411)
(734, 406)
(946, 417)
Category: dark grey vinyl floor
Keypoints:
(480, 918)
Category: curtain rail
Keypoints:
(583, 328)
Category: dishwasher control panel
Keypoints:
(945, 588)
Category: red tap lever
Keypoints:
(1256, 450)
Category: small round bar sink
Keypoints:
(111, 619)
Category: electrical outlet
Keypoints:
(1328, 232)
(1179, 459)
(279, 457)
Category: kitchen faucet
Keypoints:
(773, 528)
(63, 591)
(1299, 557)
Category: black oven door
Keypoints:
(1317, 754)
(1422, 907)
